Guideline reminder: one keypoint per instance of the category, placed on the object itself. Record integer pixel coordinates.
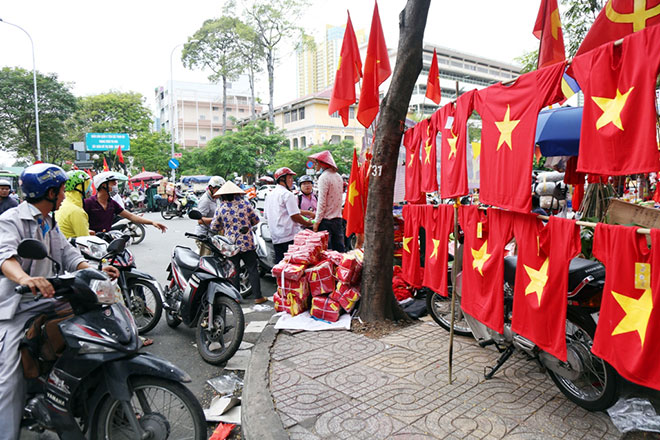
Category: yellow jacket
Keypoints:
(71, 217)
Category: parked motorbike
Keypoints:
(200, 294)
(265, 249)
(186, 204)
(141, 292)
(137, 231)
(98, 384)
(584, 378)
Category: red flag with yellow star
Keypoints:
(413, 183)
(353, 207)
(412, 272)
(438, 224)
(433, 91)
(619, 18)
(348, 73)
(629, 322)
(618, 135)
(482, 278)
(376, 70)
(105, 165)
(541, 285)
(548, 29)
(428, 158)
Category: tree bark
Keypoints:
(378, 302)
(253, 114)
(224, 104)
(270, 64)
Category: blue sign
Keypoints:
(107, 141)
(173, 163)
(310, 164)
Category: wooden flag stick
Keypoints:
(454, 272)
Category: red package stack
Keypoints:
(325, 308)
(346, 268)
(289, 271)
(320, 278)
(308, 237)
(346, 296)
(333, 256)
(291, 303)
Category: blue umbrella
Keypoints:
(558, 131)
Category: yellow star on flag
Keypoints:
(555, 23)
(479, 257)
(406, 240)
(452, 145)
(638, 312)
(537, 279)
(611, 108)
(506, 127)
(352, 193)
(436, 244)
(427, 148)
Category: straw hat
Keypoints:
(324, 157)
(229, 188)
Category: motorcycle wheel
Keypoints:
(219, 345)
(164, 409)
(596, 387)
(146, 305)
(440, 309)
(244, 286)
(138, 233)
(168, 211)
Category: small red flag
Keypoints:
(143, 169)
(376, 71)
(348, 73)
(433, 91)
(353, 208)
(619, 18)
(548, 29)
(120, 155)
(105, 165)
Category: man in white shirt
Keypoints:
(282, 213)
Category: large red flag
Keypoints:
(618, 19)
(376, 70)
(433, 82)
(353, 212)
(348, 73)
(120, 155)
(105, 165)
(548, 29)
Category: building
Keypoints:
(197, 109)
(317, 61)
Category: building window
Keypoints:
(215, 109)
(301, 113)
(303, 142)
(351, 113)
(287, 117)
(216, 118)
(216, 130)
(202, 117)
(348, 138)
(202, 138)
(335, 114)
(295, 143)
(335, 139)
(294, 115)
(241, 110)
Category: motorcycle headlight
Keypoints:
(105, 291)
(97, 251)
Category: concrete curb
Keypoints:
(259, 421)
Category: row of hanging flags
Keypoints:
(618, 137)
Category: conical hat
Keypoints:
(324, 157)
(229, 188)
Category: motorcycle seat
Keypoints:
(186, 258)
(578, 270)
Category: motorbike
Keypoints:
(141, 293)
(187, 203)
(265, 249)
(585, 379)
(200, 294)
(137, 231)
(98, 384)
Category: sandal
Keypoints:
(260, 300)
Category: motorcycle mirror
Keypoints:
(32, 249)
(195, 214)
(117, 246)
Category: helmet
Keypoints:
(305, 178)
(76, 178)
(216, 181)
(284, 171)
(5, 182)
(36, 180)
(104, 177)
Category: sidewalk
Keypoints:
(344, 385)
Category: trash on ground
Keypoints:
(222, 431)
(220, 406)
(231, 416)
(634, 414)
(227, 384)
(305, 322)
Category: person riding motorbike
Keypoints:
(72, 218)
(102, 209)
(6, 201)
(282, 213)
(207, 206)
(43, 186)
(307, 200)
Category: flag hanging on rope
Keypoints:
(353, 211)
(433, 91)
(548, 29)
(348, 73)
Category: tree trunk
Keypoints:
(378, 302)
(253, 114)
(270, 64)
(224, 104)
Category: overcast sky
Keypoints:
(126, 45)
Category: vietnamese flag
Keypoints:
(143, 169)
(376, 71)
(348, 73)
(433, 91)
(548, 29)
(105, 165)
(353, 208)
(619, 18)
(120, 155)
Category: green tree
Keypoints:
(112, 112)
(151, 150)
(342, 153)
(215, 46)
(17, 118)
(194, 162)
(247, 151)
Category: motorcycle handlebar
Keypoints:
(195, 236)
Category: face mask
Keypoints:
(113, 191)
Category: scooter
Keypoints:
(141, 292)
(200, 294)
(137, 231)
(186, 204)
(265, 249)
(88, 378)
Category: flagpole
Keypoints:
(454, 273)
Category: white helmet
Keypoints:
(5, 182)
(106, 176)
(216, 181)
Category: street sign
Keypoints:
(310, 172)
(82, 164)
(310, 164)
(173, 163)
(178, 155)
(107, 141)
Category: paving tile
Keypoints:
(256, 326)
(357, 421)
(287, 346)
(465, 420)
(356, 380)
(305, 399)
(297, 432)
(412, 433)
(398, 361)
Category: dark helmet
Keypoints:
(305, 178)
(37, 179)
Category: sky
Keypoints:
(126, 45)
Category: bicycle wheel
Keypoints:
(146, 305)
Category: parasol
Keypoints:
(145, 175)
(558, 131)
